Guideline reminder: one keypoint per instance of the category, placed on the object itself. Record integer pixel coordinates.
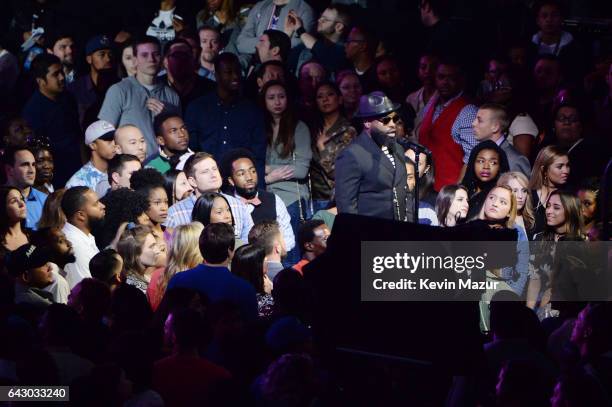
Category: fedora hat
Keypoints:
(376, 104)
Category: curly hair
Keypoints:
(122, 205)
(146, 179)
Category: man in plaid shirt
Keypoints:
(203, 174)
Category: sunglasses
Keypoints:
(387, 119)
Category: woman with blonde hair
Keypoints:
(563, 223)
(140, 252)
(184, 255)
(550, 172)
(518, 182)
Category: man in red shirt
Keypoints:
(312, 238)
(184, 378)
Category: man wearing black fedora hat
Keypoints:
(371, 177)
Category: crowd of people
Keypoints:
(160, 207)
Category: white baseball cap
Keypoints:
(100, 129)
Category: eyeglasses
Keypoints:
(568, 119)
(387, 119)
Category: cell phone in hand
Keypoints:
(176, 16)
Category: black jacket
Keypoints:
(366, 180)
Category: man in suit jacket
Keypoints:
(491, 123)
(371, 177)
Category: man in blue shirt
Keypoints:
(52, 112)
(224, 120)
(213, 278)
(20, 170)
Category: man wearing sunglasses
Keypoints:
(371, 177)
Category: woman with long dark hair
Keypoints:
(426, 171)
(13, 213)
(288, 155)
(333, 132)
(248, 263)
(486, 164)
(177, 186)
(452, 205)
(563, 223)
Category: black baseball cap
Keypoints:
(27, 257)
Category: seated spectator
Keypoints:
(184, 254)
(122, 206)
(13, 213)
(30, 267)
(360, 50)
(52, 113)
(177, 186)
(185, 378)
(44, 169)
(61, 44)
(106, 266)
(288, 155)
(16, 132)
(418, 99)
(120, 170)
(310, 75)
(100, 141)
(551, 171)
(312, 240)
(452, 205)
(150, 183)
(210, 43)
(520, 188)
(390, 80)
(127, 65)
(140, 251)
(60, 327)
(268, 235)
(20, 170)
(269, 71)
(99, 57)
(130, 102)
(491, 123)
(238, 170)
(62, 253)
(223, 120)
(203, 175)
(248, 263)
(587, 156)
(332, 28)
(332, 133)
(180, 65)
(426, 214)
(590, 203)
(268, 15)
(522, 134)
(446, 127)
(426, 171)
(130, 140)
(173, 139)
(547, 80)
(84, 213)
(212, 278)
(52, 214)
(351, 90)
(273, 45)
(486, 164)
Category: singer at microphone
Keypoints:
(371, 176)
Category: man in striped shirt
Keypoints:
(203, 175)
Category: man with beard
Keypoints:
(222, 120)
(99, 56)
(371, 177)
(84, 213)
(20, 171)
(136, 100)
(173, 139)
(60, 254)
(268, 235)
(62, 46)
(332, 29)
(181, 74)
(241, 179)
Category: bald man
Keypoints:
(130, 140)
